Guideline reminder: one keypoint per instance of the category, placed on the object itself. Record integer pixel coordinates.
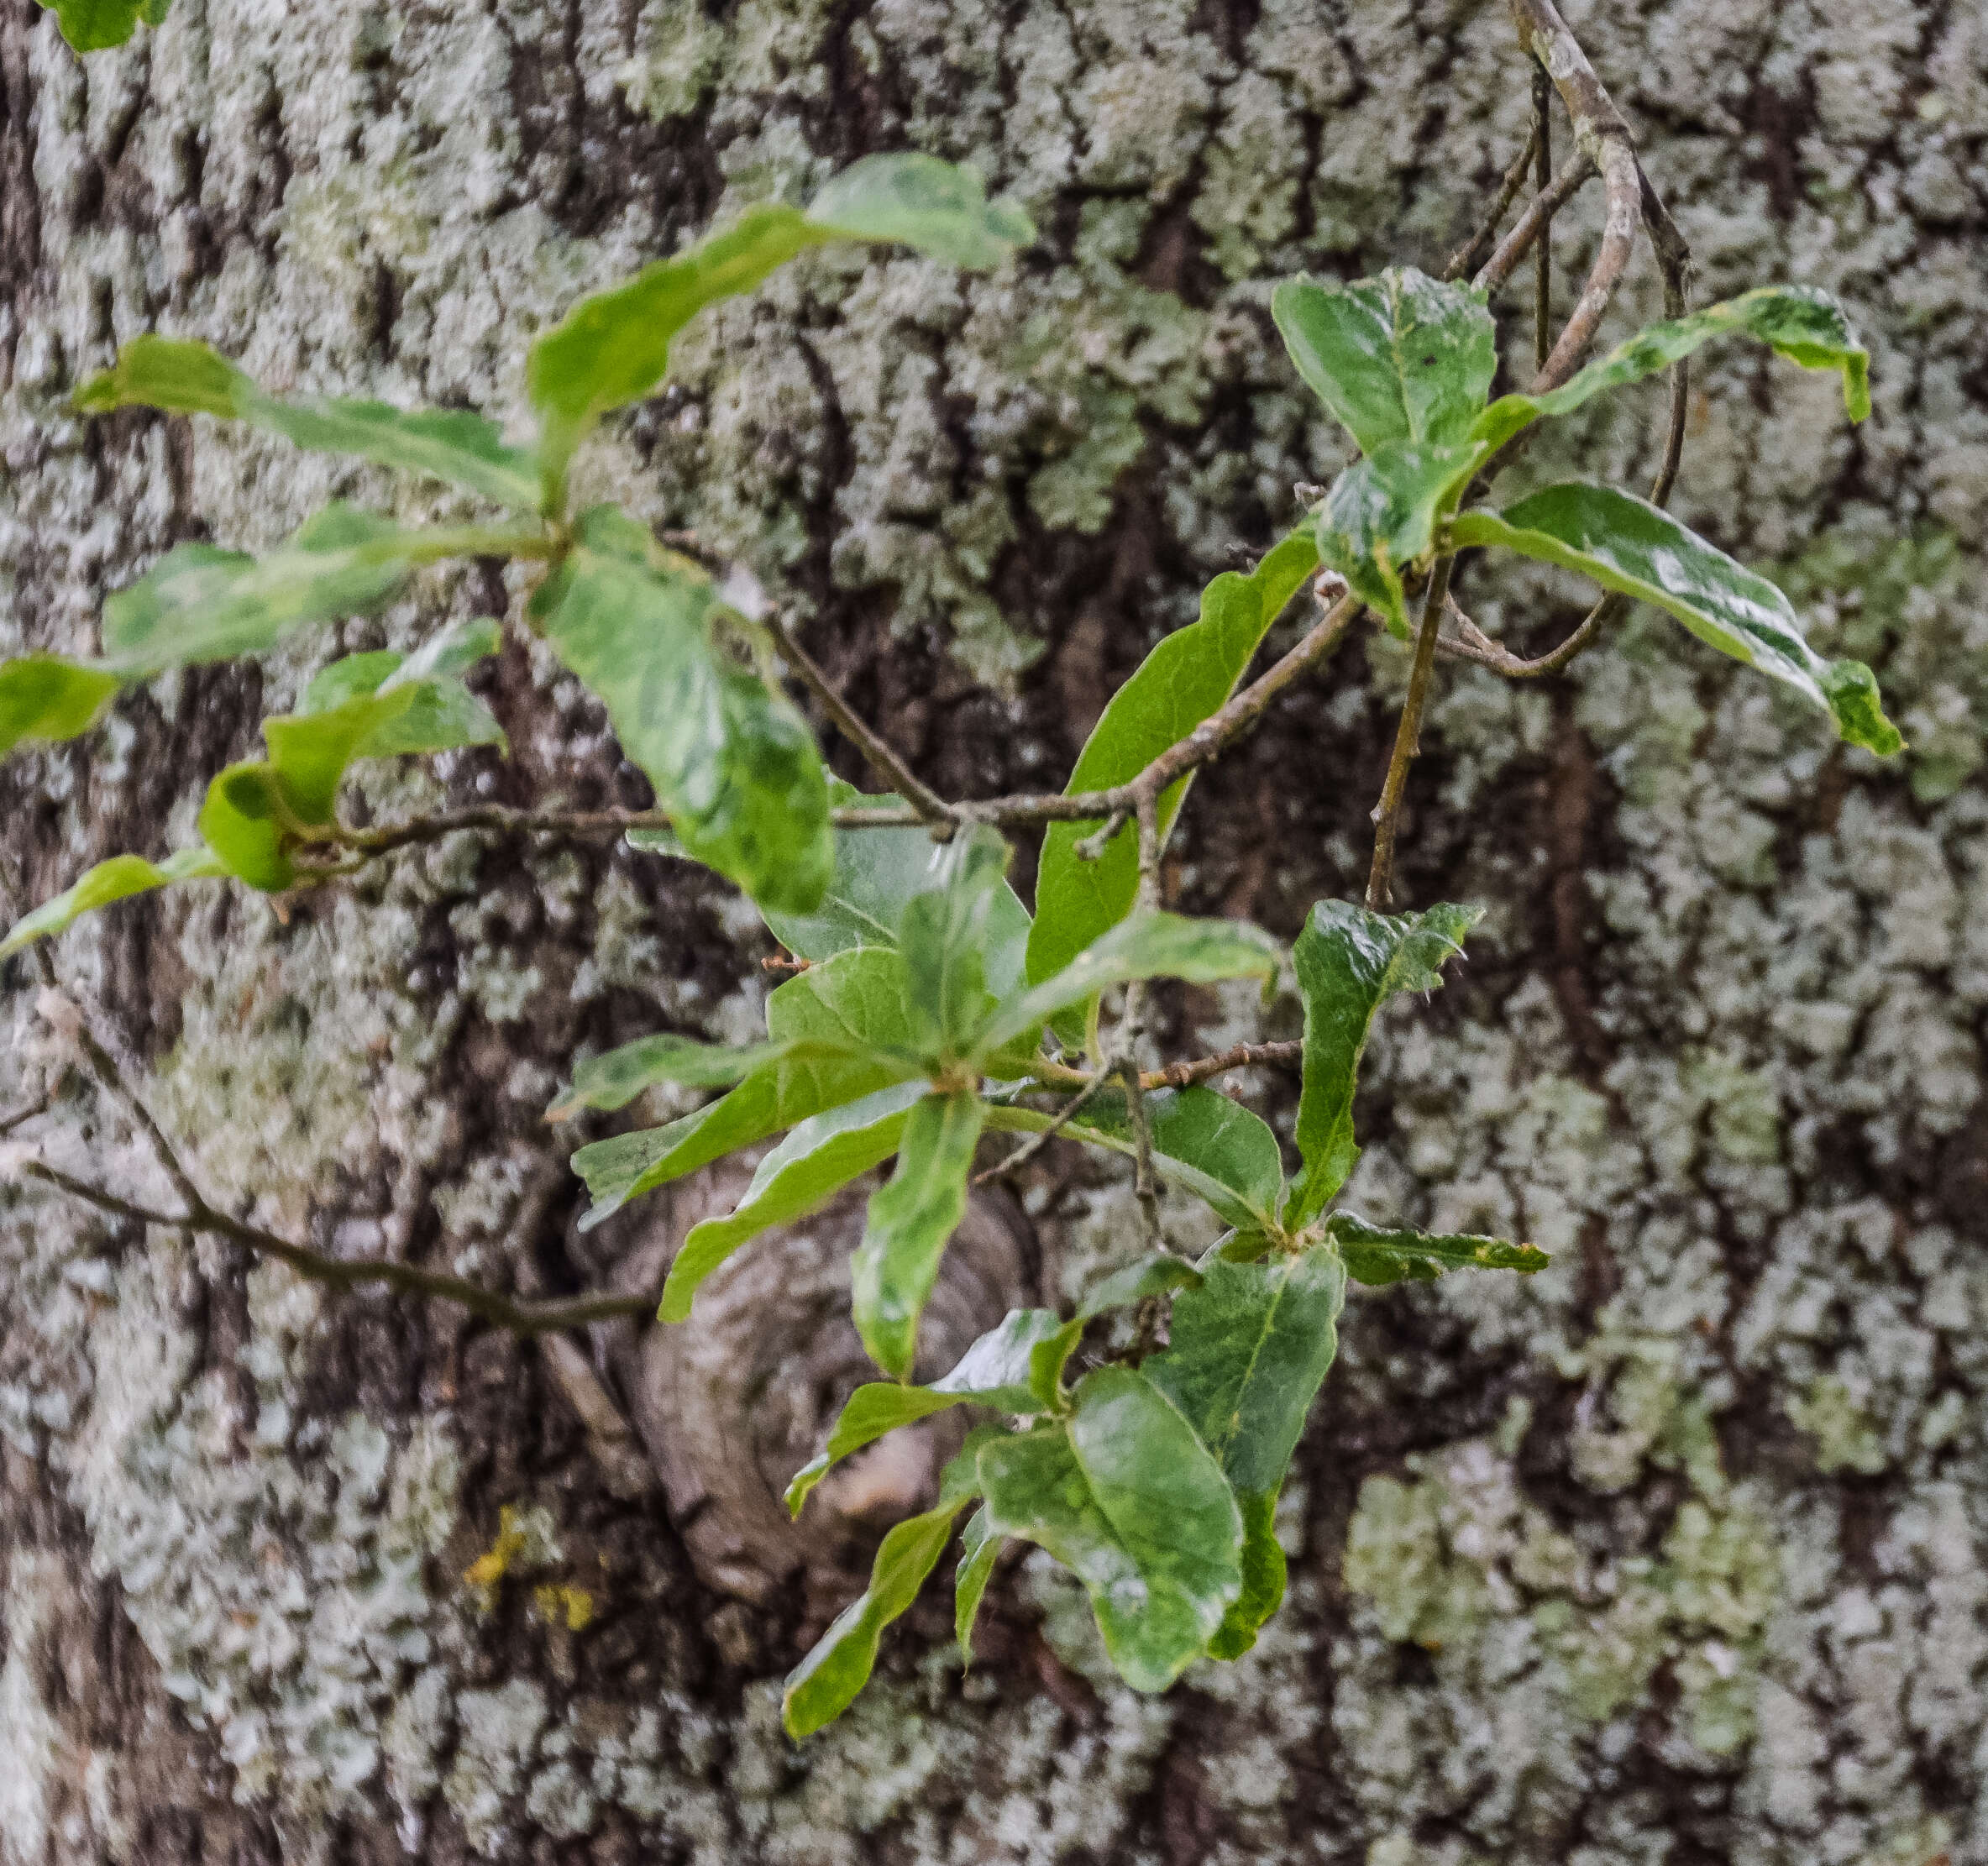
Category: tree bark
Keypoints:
(1672, 1552)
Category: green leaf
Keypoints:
(1249, 1347)
(248, 824)
(192, 378)
(45, 697)
(938, 207)
(1382, 1254)
(1187, 677)
(979, 1547)
(1349, 961)
(826, 1683)
(1399, 358)
(615, 1079)
(910, 1219)
(1380, 519)
(943, 936)
(733, 764)
(200, 603)
(809, 1167)
(877, 874)
(1148, 946)
(614, 347)
(997, 1371)
(1806, 326)
(436, 712)
(116, 879)
(1158, 1273)
(845, 1034)
(1627, 545)
(1126, 1495)
(96, 25)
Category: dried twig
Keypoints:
(1473, 251)
(1543, 250)
(1380, 881)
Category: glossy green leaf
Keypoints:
(1382, 1254)
(45, 697)
(1126, 1495)
(1379, 521)
(944, 935)
(614, 347)
(1249, 1347)
(1158, 1273)
(117, 879)
(615, 1078)
(1805, 325)
(808, 1168)
(1148, 946)
(192, 378)
(918, 201)
(1349, 961)
(979, 1549)
(422, 705)
(1402, 356)
(200, 603)
(910, 1219)
(1627, 545)
(1187, 677)
(826, 1683)
(844, 1033)
(96, 25)
(733, 764)
(995, 1371)
(877, 874)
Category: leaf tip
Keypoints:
(1852, 691)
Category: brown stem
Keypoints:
(1528, 228)
(347, 1273)
(1380, 881)
(1240, 1056)
(1469, 254)
(1543, 250)
(932, 808)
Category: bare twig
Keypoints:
(1469, 254)
(22, 1116)
(1091, 847)
(1543, 248)
(347, 1273)
(1380, 881)
(1036, 1142)
(1528, 228)
(932, 808)
(1240, 1056)
(578, 826)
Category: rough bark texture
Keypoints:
(1672, 1553)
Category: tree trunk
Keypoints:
(1672, 1552)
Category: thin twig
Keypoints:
(1530, 225)
(1145, 1184)
(347, 1273)
(1380, 881)
(931, 808)
(1036, 1142)
(1091, 847)
(1543, 248)
(1240, 1056)
(1473, 250)
(22, 1116)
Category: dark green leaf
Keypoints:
(614, 347)
(1628, 545)
(1380, 519)
(944, 935)
(1148, 946)
(1187, 677)
(824, 1683)
(200, 603)
(1126, 1495)
(43, 696)
(910, 1219)
(878, 872)
(1158, 1273)
(843, 1026)
(809, 1167)
(1349, 961)
(1249, 1347)
(995, 1371)
(1201, 1127)
(939, 208)
(96, 25)
(1399, 358)
(190, 378)
(438, 712)
(1382, 1254)
(614, 1080)
(1801, 323)
(733, 764)
(116, 879)
(979, 1547)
